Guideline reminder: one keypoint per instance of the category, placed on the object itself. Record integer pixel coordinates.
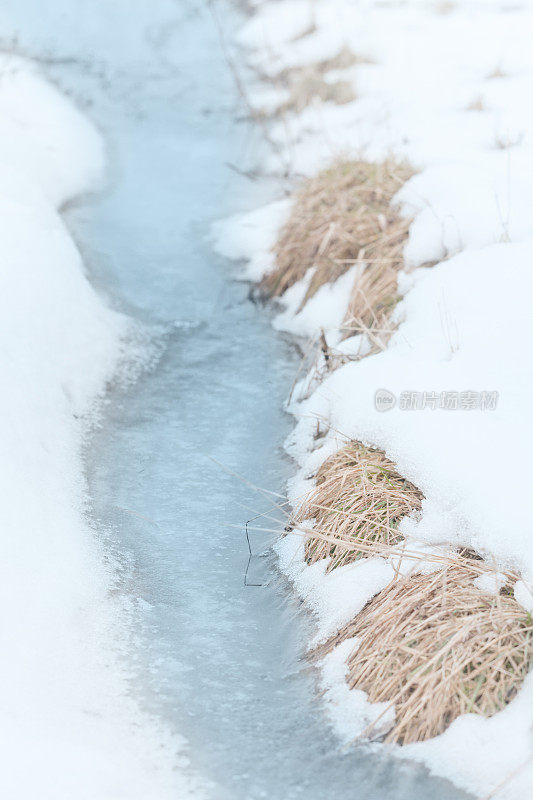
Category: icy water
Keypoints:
(168, 471)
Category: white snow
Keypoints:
(448, 87)
(337, 596)
(451, 454)
(68, 725)
(325, 310)
(524, 595)
(491, 582)
(349, 711)
(249, 237)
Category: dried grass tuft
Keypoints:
(477, 104)
(444, 7)
(309, 86)
(435, 647)
(358, 502)
(506, 141)
(342, 217)
(496, 73)
(375, 295)
(308, 83)
(344, 59)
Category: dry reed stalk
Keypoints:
(374, 298)
(358, 501)
(434, 647)
(344, 217)
(311, 28)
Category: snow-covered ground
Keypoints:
(448, 86)
(68, 725)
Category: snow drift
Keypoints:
(68, 728)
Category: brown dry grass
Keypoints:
(444, 7)
(506, 141)
(477, 104)
(358, 502)
(375, 295)
(344, 59)
(309, 86)
(496, 73)
(308, 83)
(436, 647)
(342, 217)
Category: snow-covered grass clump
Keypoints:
(357, 506)
(434, 647)
(344, 219)
(68, 727)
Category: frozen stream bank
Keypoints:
(218, 661)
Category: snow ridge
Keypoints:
(68, 726)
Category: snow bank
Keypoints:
(445, 85)
(68, 728)
(461, 320)
(249, 237)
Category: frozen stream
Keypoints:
(218, 661)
